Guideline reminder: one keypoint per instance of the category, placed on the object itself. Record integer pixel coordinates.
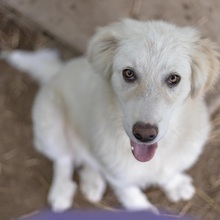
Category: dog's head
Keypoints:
(154, 67)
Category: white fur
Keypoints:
(84, 115)
(42, 65)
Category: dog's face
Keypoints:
(154, 68)
(151, 78)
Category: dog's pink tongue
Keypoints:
(143, 152)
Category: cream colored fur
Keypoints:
(83, 115)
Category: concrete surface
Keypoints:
(74, 21)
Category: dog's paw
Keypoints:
(180, 188)
(61, 195)
(132, 198)
(93, 189)
(140, 204)
(153, 209)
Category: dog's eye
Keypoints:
(129, 75)
(173, 80)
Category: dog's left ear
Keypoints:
(101, 49)
(205, 67)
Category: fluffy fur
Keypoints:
(84, 112)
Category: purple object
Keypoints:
(101, 215)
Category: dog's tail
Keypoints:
(42, 64)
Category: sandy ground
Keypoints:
(25, 175)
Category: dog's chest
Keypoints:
(120, 167)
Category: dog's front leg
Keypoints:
(92, 184)
(63, 187)
(132, 198)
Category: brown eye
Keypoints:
(129, 75)
(173, 80)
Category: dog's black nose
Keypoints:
(144, 132)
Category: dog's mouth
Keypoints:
(143, 152)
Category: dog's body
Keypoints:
(84, 115)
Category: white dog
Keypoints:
(131, 113)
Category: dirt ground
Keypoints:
(25, 175)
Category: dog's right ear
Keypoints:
(101, 50)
